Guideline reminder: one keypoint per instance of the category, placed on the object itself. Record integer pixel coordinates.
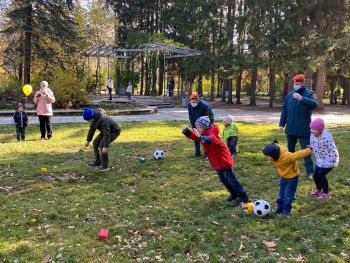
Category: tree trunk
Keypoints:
(27, 43)
(200, 85)
(345, 90)
(320, 85)
(332, 88)
(239, 86)
(253, 86)
(142, 75)
(161, 76)
(229, 89)
(272, 85)
(147, 78)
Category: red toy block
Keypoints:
(103, 233)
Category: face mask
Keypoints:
(297, 87)
(194, 104)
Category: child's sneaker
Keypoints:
(324, 196)
(315, 193)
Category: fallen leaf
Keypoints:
(241, 247)
(269, 244)
(216, 223)
(231, 254)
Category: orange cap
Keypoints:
(194, 96)
(299, 78)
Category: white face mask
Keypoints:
(297, 87)
(194, 104)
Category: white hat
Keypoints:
(44, 84)
(228, 119)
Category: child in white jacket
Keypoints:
(327, 157)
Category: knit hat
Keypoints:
(228, 119)
(317, 124)
(194, 96)
(203, 122)
(272, 150)
(299, 78)
(88, 114)
(44, 84)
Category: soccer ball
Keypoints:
(262, 208)
(158, 154)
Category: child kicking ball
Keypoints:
(219, 156)
(288, 169)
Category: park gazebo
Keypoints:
(128, 55)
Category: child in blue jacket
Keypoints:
(20, 119)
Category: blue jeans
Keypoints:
(286, 195)
(228, 178)
(304, 142)
(197, 147)
(321, 179)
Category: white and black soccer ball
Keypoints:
(158, 154)
(262, 208)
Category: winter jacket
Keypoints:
(106, 125)
(20, 119)
(44, 102)
(203, 109)
(230, 136)
(325, 151)
(296, 115)
(287, 164)
(218, 153)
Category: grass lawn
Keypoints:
(172, 210)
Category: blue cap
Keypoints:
(88, 114)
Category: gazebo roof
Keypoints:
(171, 51)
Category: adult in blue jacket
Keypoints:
(198, 108)
(296, 118)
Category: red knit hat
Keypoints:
(299, 78)
(194, 96)
(317, 125)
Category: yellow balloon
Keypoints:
(27, 89)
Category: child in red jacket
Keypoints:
(219, 156)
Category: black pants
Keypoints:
(129, 95)
(45, 126)
(102, 158)
(110, 93)
(320, 178)
(229, 179)
(21, 133)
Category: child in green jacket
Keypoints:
(230, 135)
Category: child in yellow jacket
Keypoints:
(288, 169)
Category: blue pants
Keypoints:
(321, 179)
(197, 147)
(304, 142)
(286, 195)
(228, 178)
(21, 133)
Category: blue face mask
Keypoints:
(297, 87)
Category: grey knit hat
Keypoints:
(203, 122)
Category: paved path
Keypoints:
(240, 114)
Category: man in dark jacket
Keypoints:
(296, 118)
(198, 108)
(20, 119)
(109, 129)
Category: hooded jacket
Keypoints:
(287, 164)
(203, 109)
(106, 125)
(296, 115)
(324, 149)
(218, 153)
(44, 102)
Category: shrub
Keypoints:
(68, 90)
